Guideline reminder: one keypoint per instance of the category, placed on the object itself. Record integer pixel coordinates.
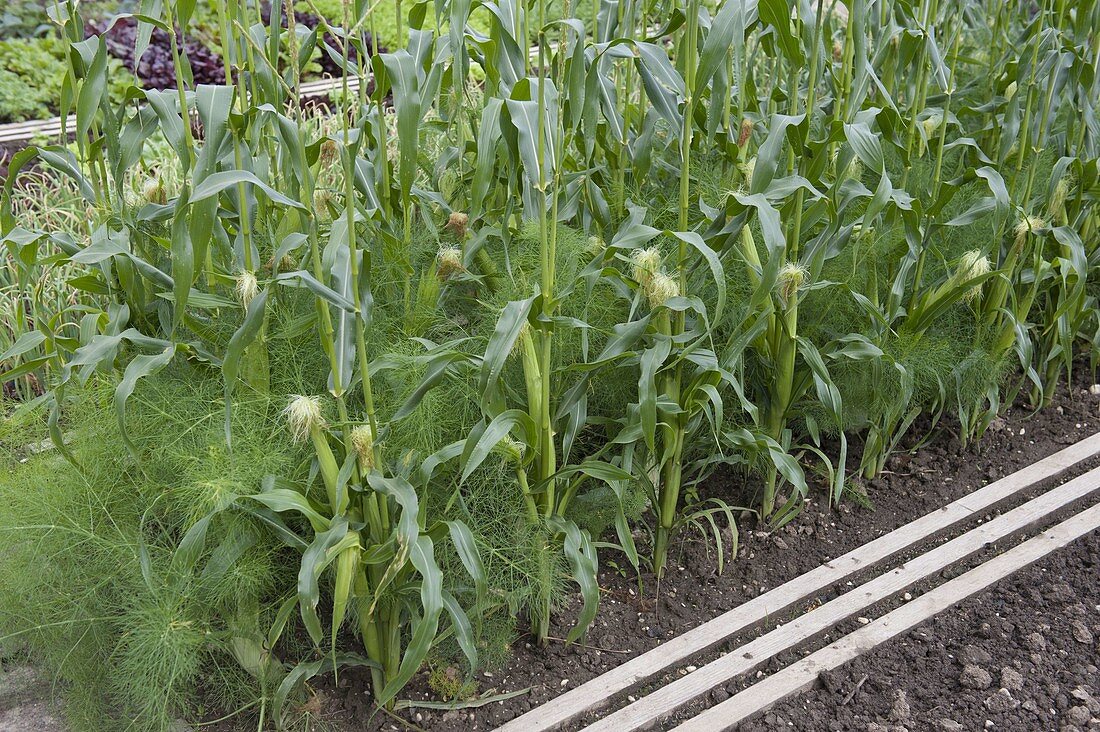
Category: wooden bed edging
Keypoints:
(662, 703)
(598, 692)
(28, 130)
(803, 674)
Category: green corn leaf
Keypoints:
(488, 139)
(501, 343)
(651, 361)
(476, 451)
(727, 27)
(215, 183)
(768, 158)
(426, 625)
(303, 672)
(664, 87)
(62, 160)
(285, 499)
(347, 565)
(463, 630)
(139, 128)
(437, 368)
(718, 274)
(150, 9)
(196, 299)
(466, 546)
(523, 108)
(24, 344)
(582, 558)
(439, 457)
(301, 278)
(399, 73)
(94, 84)
(141, 366)
(777, 14)
(213, 104)
(29, 366)
(408, 527)
(191, 546)
(243, 337)
(183, 258)
(326, 546)
(600, 470)
(166, 105)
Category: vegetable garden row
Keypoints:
(382, 382)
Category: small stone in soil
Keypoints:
(900, 709)
(1082, 695)
(1081, 632)
(1011, 679)
(1001, 702)
(974, 656)
(975, 677)
(1079, 715)
(950, 725)
(1061, 592)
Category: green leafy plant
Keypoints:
(535, 277)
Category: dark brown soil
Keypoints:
(7, 149)
(633, 620)
(1019, 657)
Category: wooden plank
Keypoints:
(324, 86)
(651, 709)
(45, 127)
(803, 674)
(29, 124)
(598, 692)
(25, 131)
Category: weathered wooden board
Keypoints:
(27, 131)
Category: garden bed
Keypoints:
(633, 621)
(425, 406)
